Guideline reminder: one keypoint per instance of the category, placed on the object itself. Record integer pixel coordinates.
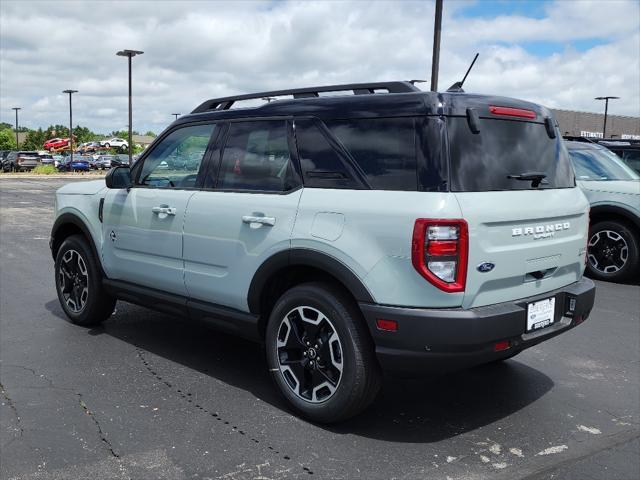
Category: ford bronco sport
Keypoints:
(379, 229)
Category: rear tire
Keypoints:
(613, 251)
(320, 354)
(79, 283)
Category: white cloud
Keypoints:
(197, 50)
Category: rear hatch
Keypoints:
(527, 221)
(28, 159)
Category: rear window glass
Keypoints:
(383, 148)
(503, 148)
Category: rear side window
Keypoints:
(383, 148)
(256, 157)
(503, 148)
(322, 166)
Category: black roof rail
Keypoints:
(225, 103)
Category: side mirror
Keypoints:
(118, 177)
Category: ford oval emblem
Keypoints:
(485, 267)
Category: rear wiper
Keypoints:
(535, 178)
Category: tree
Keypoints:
(35, 140)
(7, 139)
(150, 134)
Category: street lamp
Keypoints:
(16, 109)
(435, 58)
(175, 115)
(606, 108)
(130, 54)
(70, 92)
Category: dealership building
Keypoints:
(586, 124)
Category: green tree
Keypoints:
(151, 134)
(35, 140)
(7, 139)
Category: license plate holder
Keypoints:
(541, 314)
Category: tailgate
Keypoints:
(535, 239)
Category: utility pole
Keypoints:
(130, 54)
(70, 92)
(16, 109)
(435, 58)
(606, 108)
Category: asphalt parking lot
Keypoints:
(149, 396)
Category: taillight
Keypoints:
(439, 252)
(512, 112)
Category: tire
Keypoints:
(613, 251)
(79, 289)
(107, 145)
(325, 390)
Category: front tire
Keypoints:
(613, 252)
(79, 283)
(320, 354)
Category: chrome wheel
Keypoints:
(73, 281)
(310, 357)
(608, 251)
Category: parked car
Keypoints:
(20, 161)
(613, 189)
(57, 160)
(55, 143)
(405, 231)
(79, 164)
(46, 158)
(627, 150)
(104, 162)
(114, 142)
(3, 156)
(89, 147)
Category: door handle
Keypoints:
(270, 221)
(163, 209)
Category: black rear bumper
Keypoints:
(436, 340)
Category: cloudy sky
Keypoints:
(559, 53)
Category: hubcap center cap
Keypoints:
(311, 353)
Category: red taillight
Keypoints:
(512, 112)
(387, 325)
(500, 346)
(439, 252)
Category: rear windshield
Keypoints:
(503, 148)
(599, 164)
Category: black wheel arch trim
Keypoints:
(616, 210)
(305, 257)
(70, 218)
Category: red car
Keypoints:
(55, 143)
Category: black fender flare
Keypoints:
(616, 210)
(309, 258)
(71, 219)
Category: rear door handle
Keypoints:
(164, 209)
(270, 221)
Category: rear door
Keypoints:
(526, 236)
(244, 215)
(142, 226)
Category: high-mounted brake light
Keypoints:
(512, 112)
(439, 252)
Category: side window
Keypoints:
(175, 161)
(383, 148)
(256, 157)
(321, 165)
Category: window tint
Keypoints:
(321, 165)
(175, 161)
(383, 148)
(484, 161)
(256, 157)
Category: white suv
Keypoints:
(114, 142)
(391, 229)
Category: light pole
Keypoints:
(606, 108)
(130, 54)
(16, 109)
(70, 92)
(435, 58)
(175, 115)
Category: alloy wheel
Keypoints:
(608, 251)
(73, 280)
(310, 355)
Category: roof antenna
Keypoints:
(457, 87)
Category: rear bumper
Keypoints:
(436, 340)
